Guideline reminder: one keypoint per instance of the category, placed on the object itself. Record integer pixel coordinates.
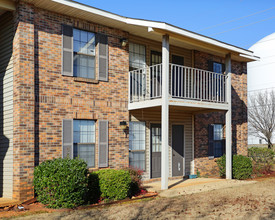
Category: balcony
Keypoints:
(187, 87)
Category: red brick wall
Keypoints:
(239, 116)
(38, 124)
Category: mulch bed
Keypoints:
(33, 207)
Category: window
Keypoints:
(137, 57)
(216, 140)
(84, 141)
(137, 61)
(217, 83)
(217, 67)
(84, 54)
(137, 145)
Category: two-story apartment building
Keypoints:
(77, 81)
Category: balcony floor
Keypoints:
(191, 105)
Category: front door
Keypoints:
(155, 150)
(178, 150)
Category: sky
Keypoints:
(238, 22)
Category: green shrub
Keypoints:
(114, 184)
(61, 183)
(241, 167)
(263, 159)
(221, 165)
(136, 184)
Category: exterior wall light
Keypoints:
(124, 127)
(124, 42)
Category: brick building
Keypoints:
(77, 81)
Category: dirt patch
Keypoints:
(253, 201)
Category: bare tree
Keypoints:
(261, 115)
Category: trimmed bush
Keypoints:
(263, 159)
(242, 167)
(61, 183)
(136, 184)
(114, 184)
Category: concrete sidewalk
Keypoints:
(190, 186)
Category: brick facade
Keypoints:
(43, 97)
(239, 116)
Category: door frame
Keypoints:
(171, 147)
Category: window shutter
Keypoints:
(210, 65)
(223, 68)
(211, 140)
(103, 58)
(67, 55)
(67, 138)
(103, 151)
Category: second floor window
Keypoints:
(84, 54)
(137, 58)
(217, 67)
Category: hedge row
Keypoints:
(241, 167)
(66, 183)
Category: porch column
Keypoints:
(228, 118)
(165, 113)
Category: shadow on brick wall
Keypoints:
(239, 118)
(5, 59)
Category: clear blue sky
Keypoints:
(195, 15)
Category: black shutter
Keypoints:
(223, 68)
(210, 65)
(103, 151)
(211, 140)
(67, 55)
(67, 138)
(103, 57)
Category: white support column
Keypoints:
(165, 113)
(228, 119)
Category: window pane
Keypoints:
(218, 132)
(84, 131)
(137, 160)
(84, 43)
(218, 151)
(217, 67)
(76, 34)
(137, 136)
(137, 56)
(85, 152)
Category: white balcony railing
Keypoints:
(185, 83)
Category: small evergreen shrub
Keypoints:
(241, 167)
(263, 159)
(114, 184)
(61, 183)
(136, 184)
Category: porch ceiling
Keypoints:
(190, 110)
(144, 28)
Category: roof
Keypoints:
(146, 28)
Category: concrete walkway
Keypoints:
(190, 186)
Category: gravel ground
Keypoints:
(248, 201)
